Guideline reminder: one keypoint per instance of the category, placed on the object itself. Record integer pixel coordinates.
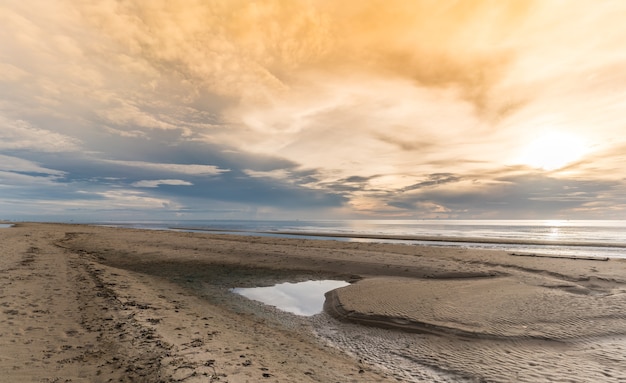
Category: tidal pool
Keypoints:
(303, 298)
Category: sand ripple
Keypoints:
(513, 330)
(485, 308)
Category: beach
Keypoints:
(87, 303)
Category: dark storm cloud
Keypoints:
(529, 196)
(433, 179)
(187, 170)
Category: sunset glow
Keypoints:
(324, 109)
(553, 150)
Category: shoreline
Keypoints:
(154, 305)
(425, 238)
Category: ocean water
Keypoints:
(554, 237)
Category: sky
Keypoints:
(312, 109)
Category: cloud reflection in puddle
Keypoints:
(303, 298)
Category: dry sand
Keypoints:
(96, 304)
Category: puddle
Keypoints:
(303, 298)
(5, 225)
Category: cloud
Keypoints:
(211, 43)
(19, 165)
(433, 180)
(442, 44)
(157, 183)
(19, 134)
(131, 199)
(191, 169)
(131, 115)
(536, 196)
(10, 73)
(254, 50)
(280, 174)
(25, 181)
(127, 133)
(384, 108)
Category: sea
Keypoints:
(568, 238)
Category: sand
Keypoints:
(99, 304)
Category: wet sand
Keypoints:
(97, 304)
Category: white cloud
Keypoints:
(279, 174)
(156, 183)
(19, 134)
(132, 199)
(131, 115)
(15, 164)
(20, 181)
(192, 169)
(109, 204)
(127, 133)
(369, 127)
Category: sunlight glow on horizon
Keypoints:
(553, 150)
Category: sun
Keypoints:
(553, 150)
